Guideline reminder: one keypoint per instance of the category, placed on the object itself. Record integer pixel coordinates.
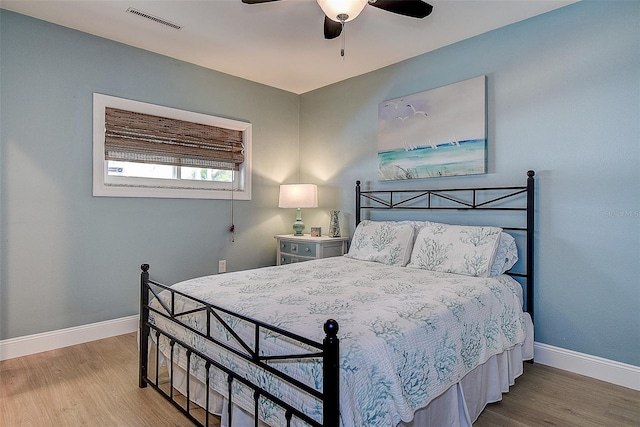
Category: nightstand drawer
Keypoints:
(293, 248)
(289, 259)
(298, 248)
(304, 249)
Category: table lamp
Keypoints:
(298, 196)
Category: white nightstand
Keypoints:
(304, 248)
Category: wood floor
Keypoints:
(95, 384)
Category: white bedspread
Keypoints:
(406, 334)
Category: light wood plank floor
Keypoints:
(95, 384)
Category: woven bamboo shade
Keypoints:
(144, 138)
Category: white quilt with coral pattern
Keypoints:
(406, 334)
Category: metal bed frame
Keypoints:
(328, 350)
(329, 353)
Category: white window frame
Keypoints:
(119, 186)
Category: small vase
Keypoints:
(334, 224)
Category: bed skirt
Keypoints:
(462, 403)
(459, 406)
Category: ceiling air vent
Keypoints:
(153, 18)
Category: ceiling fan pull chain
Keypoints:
(343, 40)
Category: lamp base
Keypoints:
(298, 228)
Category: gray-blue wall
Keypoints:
(564, 100)
(563, 97)
(69, 258)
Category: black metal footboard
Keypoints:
(328, 353)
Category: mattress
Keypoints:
(408, 336)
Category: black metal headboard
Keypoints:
(518, 199)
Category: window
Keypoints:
(145, 150)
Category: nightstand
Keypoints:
(304, 248)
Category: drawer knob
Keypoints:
(307, 249)
(283, 245)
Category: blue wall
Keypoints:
(564, 100)
(69, 258)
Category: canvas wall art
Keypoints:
(435, 133)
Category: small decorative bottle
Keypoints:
(334, 224)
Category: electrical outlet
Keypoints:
(222, 266)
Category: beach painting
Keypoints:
(435, 133)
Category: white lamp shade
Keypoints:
(333, 8)
(298, 196)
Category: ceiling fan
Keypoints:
(337, 12)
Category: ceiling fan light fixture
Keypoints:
(336, 10)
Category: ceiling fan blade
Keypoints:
(257, 1)
(412, 8)
(332, 29)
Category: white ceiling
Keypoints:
(281, 44)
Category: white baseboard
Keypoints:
(596, 367)
(31, 344)
(599, 368)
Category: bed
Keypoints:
(410, 328)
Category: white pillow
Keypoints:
(459, 249)
(386, 242)
(506, 255)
